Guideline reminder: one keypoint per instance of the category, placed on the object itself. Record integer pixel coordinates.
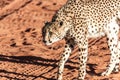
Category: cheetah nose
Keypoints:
(44, 41)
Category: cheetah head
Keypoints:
(54, 31)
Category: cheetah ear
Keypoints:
(46, 22)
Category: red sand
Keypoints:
(23, 55)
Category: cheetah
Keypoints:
(79, 20)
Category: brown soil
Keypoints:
(23, 55)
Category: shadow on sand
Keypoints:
(39, 61)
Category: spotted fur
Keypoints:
(79, 20)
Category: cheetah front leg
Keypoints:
(112, 35)
(66, 53)
(83, 52)
(81, 32)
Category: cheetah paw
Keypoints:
(105, 73)
(116, 70)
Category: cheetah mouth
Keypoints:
(53, 41)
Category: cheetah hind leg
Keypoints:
(113, 46)
(116, 69)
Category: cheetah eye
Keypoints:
(61, 23)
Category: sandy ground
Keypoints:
(23, 55)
